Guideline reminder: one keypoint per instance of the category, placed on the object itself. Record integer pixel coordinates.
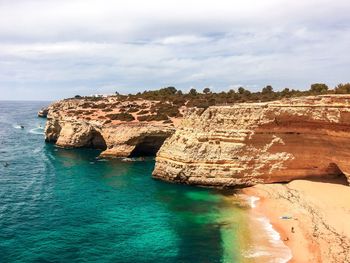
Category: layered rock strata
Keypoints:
(76, 123)
(253, 143)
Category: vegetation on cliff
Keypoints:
(168, 101)
(208, 98)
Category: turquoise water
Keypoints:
(61, 205)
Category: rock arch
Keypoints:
(148, 145)
(97, 141)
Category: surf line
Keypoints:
(276, 250)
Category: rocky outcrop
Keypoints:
(253, 143)
(43, 112)
(76, 123)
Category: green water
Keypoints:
(61, 205)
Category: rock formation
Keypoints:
(252, 143)
(43, 112)
(99, 123)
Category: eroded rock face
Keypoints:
(72, 123)
(246, 144)
(123, 139)
(43, 112)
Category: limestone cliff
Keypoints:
(252, 143)
(43, 112)
(108, 124)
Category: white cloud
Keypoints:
(182, 40)
(83, 46)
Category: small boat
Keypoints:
(286, 217)
(22, 127)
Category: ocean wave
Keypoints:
(133, 159)
(253, 200)
(275, 237)
(37, 150)
(275, 250)
(38, 130)
(256, 252)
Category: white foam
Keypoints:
(36, 150)
(38, 130)
(253, 200)
(277, 251)
(102, 160)
(256, 252)
(275, 237)
(17, 126)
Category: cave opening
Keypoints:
(334, 175)
(97, 141)
(148, 146)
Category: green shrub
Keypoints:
(143, 112)
(124, 116)
(132, 109)
(156, 117)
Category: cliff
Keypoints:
(43, 112)
(120, 128)
(253, 143)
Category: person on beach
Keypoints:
(292, 229)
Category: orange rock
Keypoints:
(251, 143)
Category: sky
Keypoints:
(53, 49)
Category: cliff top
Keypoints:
(112, 110)
(329, 100)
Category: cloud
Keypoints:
(61, 48)
(182, 40)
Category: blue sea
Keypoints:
(60, 205)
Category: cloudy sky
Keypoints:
(51, 49)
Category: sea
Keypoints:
(68, 205)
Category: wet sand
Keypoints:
(265, 244)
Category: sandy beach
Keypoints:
(312, 218)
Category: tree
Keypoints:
(247, 93)
(117, 93)
(206, 90)
(193, 92)
(77, 96)
(170, 90)
(285, 92)
(342, 88)
(319, 88)
(268, 89)
(179, 92)
(241, 90)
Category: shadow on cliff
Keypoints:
(97, 141)
(148, 146)
(336, 176)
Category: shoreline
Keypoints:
(266, 243)
(306, 217)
